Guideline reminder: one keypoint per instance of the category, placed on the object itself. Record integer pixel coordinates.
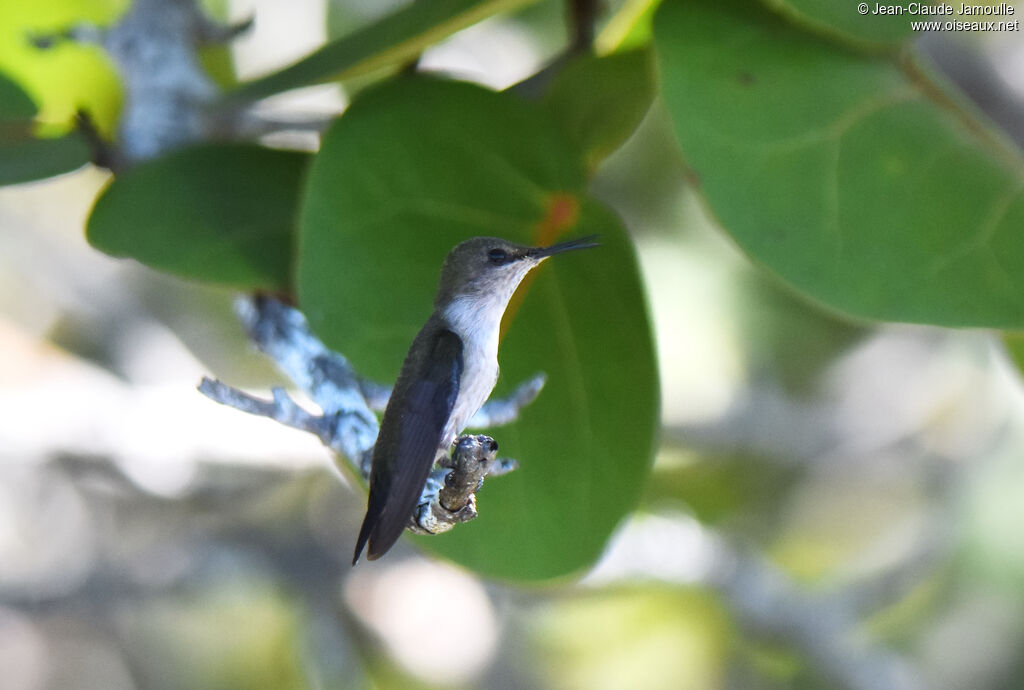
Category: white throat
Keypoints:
(475, 321)
(476, 318)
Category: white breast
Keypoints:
(478, 326)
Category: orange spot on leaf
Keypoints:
(561, 214)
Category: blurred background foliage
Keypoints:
(833, 502)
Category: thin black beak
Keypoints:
(582, 243)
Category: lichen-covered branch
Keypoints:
(500, 411)
(283, 334)
(346, 423)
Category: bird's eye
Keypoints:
(498, 256)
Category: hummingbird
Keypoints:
(448, 374)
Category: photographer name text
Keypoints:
(921, 8)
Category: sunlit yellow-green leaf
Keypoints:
(66, 77)
(628, 28)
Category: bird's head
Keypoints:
(492, 268)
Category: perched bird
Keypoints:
(448, 374)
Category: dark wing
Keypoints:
(409, 438)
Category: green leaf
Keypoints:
(15, 104)
(218, 213)
(396, 38)
(27, 159)
(216, 58)
(409, 171)
(24, 158)
(843, 20)
(862, 184)
(1014, 342)
(628, 28)
(599, 102)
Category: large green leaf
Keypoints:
(396, 38)
(860, 183)
(409, 171)
(599, 101)
(218, 213)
